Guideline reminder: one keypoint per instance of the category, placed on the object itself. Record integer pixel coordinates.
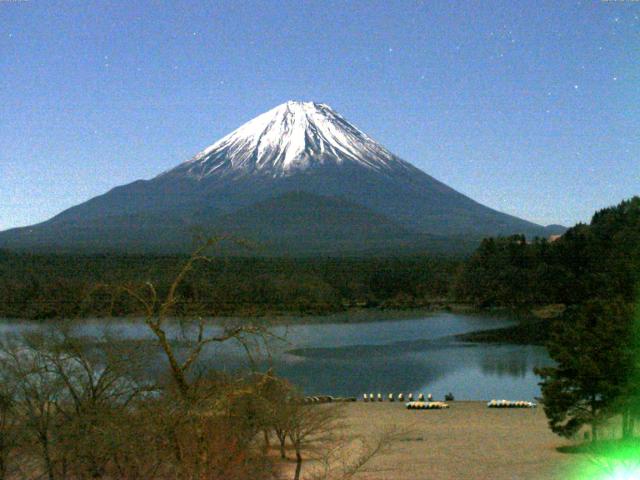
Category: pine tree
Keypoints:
(629, 402)
(593, 351)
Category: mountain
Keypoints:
(299, 177)
(286, 224)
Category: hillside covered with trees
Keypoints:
(58, 286)
(599, 260)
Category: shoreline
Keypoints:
(535, 332)
(526, 330)
(349, 315)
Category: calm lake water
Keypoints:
(413, 353)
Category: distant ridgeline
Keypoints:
(600, 260)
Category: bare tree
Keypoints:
(69, 394)
(196, 408)
(310, 429)
(158, 310)
(275, 395)
(38, 391)
(347, 457)
(9, 427)
(89, 411)
(100, 378)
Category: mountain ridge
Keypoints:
(295, 147)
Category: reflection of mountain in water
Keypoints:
(388, 350)
(514, 367)
(344, 371)
(351, 370)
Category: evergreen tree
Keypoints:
(593, 351)
(629, 402)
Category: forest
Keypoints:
(60, 286)
(598, 260)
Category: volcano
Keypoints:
(298, 179)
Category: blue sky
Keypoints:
(532, 108)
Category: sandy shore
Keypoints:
(467, 441)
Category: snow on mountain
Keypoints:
(298, 176)
(289, 138)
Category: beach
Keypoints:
(466, 441)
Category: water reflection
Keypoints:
(512, 361)
(348, 359)
(470, 371)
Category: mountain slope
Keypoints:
(295, 147)
(304, 223)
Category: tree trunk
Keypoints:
(176, 371)
(4, 457)
(594, 419)
(298, 465)
(282, 450)
(47, 459)
(626, 423)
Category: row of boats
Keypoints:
(426, 405)
(427, 402)
(510, 404)
(400, 397)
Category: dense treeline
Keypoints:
(59, 286)
(600, 260)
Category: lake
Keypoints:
(375, 352)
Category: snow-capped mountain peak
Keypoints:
(289, 138)
(298, 179)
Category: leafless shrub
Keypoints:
(349, 456)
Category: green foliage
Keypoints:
(599, 260)
(594, 359)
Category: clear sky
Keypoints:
(532, 108)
